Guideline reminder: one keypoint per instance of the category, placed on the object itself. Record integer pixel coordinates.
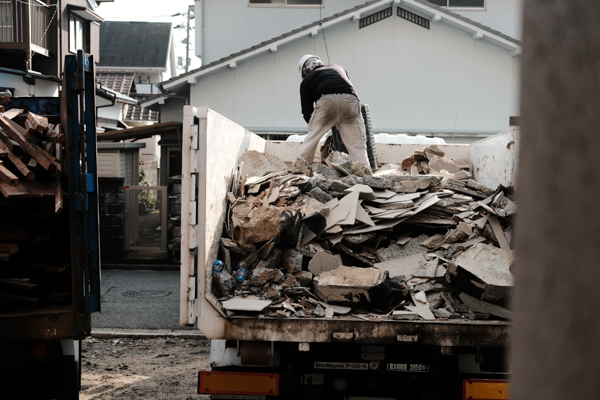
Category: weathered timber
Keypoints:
(38, 123)
(8, 176)
(21, 299)
(17, 283)
(16, 132)
(58, 201)
(17, 162)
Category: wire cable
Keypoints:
(323, 30)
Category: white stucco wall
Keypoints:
(505, 16)
(233, 25)
(224, 27)
(414, 80)
(113, 112)
(42, 87)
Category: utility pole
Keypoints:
(187, 45)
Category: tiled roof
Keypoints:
(137, 113)
(121, 82)
(121, 98)
(134, 44)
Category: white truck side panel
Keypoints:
(220, 145)
(496, 159)
(386, 153)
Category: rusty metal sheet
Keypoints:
(55, 326)
(434, 333)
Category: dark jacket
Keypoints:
(326, 79)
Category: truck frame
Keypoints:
(341, 357)
(40, 345)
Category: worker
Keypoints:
(336, 104)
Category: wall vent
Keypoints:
(414, 18)
(371, 19)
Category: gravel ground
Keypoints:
(157, 368)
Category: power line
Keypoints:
(323, 30)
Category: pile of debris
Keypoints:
(34, 258)
(419, 240)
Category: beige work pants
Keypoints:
(342, 110)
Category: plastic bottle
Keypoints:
(241, 275)
(218, 266)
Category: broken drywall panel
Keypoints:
(336, 239)
(399, 198)
(307, 236)
(463, 227)
(442, 163)
(493, 220)
(378, 227)
(485, 307)
(405, 266)
(334, 230)
(384, 194)
(488, 263)
(348, 203)
(363, 216)
(429, 270)
(422, 311)
(365, 192)
(250, 303)
(403, 239)
(322, 262)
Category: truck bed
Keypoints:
(213, 161)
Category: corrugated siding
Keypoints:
(123, 167)
(136, 168)
(108, 165)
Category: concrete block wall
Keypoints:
(111, 200)
(174, 219)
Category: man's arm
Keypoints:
(306, 102)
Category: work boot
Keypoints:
(300, 165)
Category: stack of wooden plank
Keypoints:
(34, 239)
(31, 156)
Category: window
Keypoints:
(78, 34)
(287, 2)
(459, 3)
(5, 21)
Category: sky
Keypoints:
(155, 11)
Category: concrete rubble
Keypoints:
(418, 240)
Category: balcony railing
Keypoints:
(24, 24)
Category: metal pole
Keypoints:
(187, 44)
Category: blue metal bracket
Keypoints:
(81, 149)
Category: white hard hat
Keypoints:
(304, 59)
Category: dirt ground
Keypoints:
(157, 368)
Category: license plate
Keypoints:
(342, 366)
(408, 367)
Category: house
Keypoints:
(251, 22)
(142, 48)
(36, 36)
(134, 67)
(421, 68)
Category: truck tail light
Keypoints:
(485, 389)
(211, 382)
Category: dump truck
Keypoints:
(340, 357)
(50, 283)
